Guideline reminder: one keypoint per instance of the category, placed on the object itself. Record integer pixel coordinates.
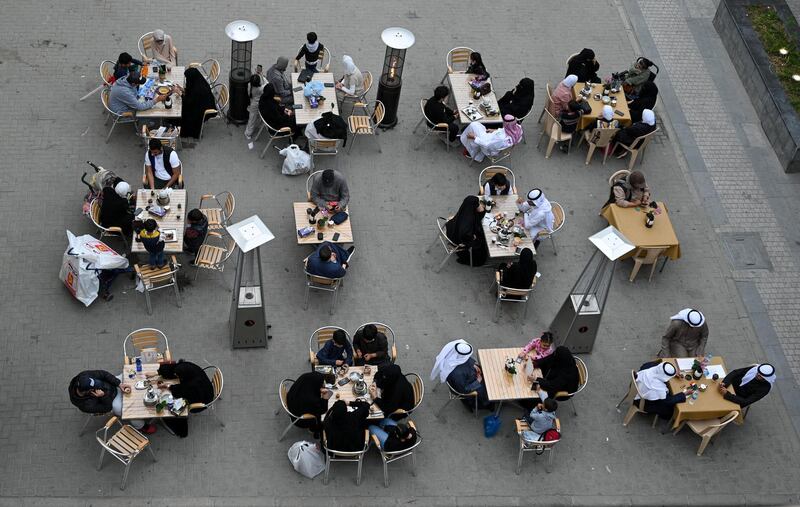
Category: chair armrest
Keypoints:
(114, 229)
(399, 411)
(558, 424)
(450, 69)
(377, 442)
(442, 126)
(394, 351)
(127, 360)
(210, 111)
(473, 393)
(195, 406)
(312, 357)
(560, 394)
(284, 129)
(308, 416)
(214, 233)
(206, 196)
(127, 114)
(111, 422)
(497, 277)
(366, 438)
(411, 423)
(167, 355)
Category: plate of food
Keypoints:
(163, 90)
(170, 235)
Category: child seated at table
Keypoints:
(538, 348)
(153, 243)
(540, 419)
(393, 436)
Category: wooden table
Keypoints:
(588, 120)
(505, 204)
(709, 404)
(133, 406)
(307, 115)
(159, 111)
(345, 392)
(500, 385)
(461, 92)
(168, 221)
(301, 220)
(630, 221)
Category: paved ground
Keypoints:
(47, 135)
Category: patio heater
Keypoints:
(242, 34)
(248, 322)
(578, 320)
(397, 41)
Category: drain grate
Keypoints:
(746, 250)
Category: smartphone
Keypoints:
(343, 381)
(319, 236)
(329, 85)
(518, 250)
(297, 106)
(617, 111)
(336, 237)
(534, 386)
(297, 88)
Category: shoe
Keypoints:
(249, 138)
(107, 296)
(466, 154)
(350, 251)
(148, 429)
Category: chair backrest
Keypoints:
(145, 44)
(490, 171)
(635, 385)
(436, 126)
(345, 454)
(447, 242)
(726, 420)
(653, 73)
(458, 57)
(382, 328)
(551, 125)
(618, 175)
(641, 142)
(221, 93)
(323, 335)
(283, 392)
(559, 217)
(273, 132)
(216, 381)
(583, 374)
(325, 58)
(309, 181)
(94, 214)
(145, 338)
(549, 95)
(649, 255)
(367, 81)
(213, 70)
(107, 71)
(104, 98)
(325, 146)
(418, 386)
(160, 278)
(378, 113)
(320, 280)
(602, 137)
(570, 57)
(455, 392)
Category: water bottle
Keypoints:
(138, 365)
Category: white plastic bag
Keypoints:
(297, 161)
(307, 459)
(82, 260)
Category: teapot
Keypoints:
(163, 197)
(360, 388)
(150, 398)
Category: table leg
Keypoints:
(498, 407)
(663, 264)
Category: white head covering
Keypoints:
(570, 81)
(691, 316)
(349, 66)
(312, 47)
(455, 353)
(765, 369)
(648, 117)
(652, 382)
(535, 196)
(122, 189)
(608, 113)
(158, 35)
(537, 213)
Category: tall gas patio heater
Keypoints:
(242, 34)
(397, 41)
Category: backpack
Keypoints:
(549, 435)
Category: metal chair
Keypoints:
(309, 182)
(598, 138)
(633, 391)
(146, 338)
(323, 147)
(419, 393)
(708, 428)
(171, 137)
(283, 391)
(559, 217)
(449, 247)
(89, 418)
(222, 98)
(107, 71)
(209, 68)
(436, 129)
(552, 129)
(273, 133)
(646, 256)
(456, 59)
(511, 295)
(583, 375)
(322, 283)
(124, 445)
(332, 455)
(490, 171)
(502, 155)
(126, 117)
(323, 61)
(154, 278)
(455, 395)
(217, 383)
(539, 447)
(214, 256)
(220, 216)
(520, 120)
(145, 44)
(391, 457)
(639, 145)
(570, 57)
(548, 101)
(388, 332)
(319, 338)
(367, 124)
(116, 232)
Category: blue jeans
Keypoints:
(157, 259)
(379, 431)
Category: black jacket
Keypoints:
(393, 442)
(194, 387)
(629, 134)
(396, 391)
(745, 394)
(345, 430)
(89, 404)
(115, 211)
(379, 346)
(438, 112)
(560, 372)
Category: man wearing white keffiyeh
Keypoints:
(750, 384)
(686, 335)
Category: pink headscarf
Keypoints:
(512, 128)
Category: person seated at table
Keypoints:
(686, 335)
(125, 65)
(630, 191)
(455, 365)
(537, 214)
(560, 373)
(194, 387)
(479, 142)
(124, 98)
(327, 127)
(651, 380)
(282, 85)
(329, 260)
(476, 67)
(497, 185)
(352, 82)
(336, 351)
(163, 49)
(538, 348)
(438, 112)
(584, 66)
(329, 191)
(274, 113)
(636, 76)
(540, 419)
(195, 233)
(628, 135)
(100, 392)
(310, 51)
(162, 166)
(370, 346)
(569, 119)
(394, 436)
(466, 228)
(396, 392)
(750, 384)
(519, 101)
(115, 208)
(344, 429)
(646, 100)
(520, 274)
(562, 95)
(197, 99)
(308, 395)
(606, 120)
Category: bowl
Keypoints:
(163, 90)
(606, 99)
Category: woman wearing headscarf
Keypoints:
(562, 95)
(466, 228)
(686, 335)
(163, 49)
(537, 213)
(479, 142)
(438, 112)
(519, 101)
(476, 67)
(629, 192)
(637, 75)
(115, 209)
(275, 114)
(520, 274)
(396, 391)
(197, 98)
(606, 119)
(584, 66)
(646, 100)
(307, 395)
(352, 83)
(560, 373)
(344, 430)
(194, 387)
(750, 384)
(651, 381)
(628, 135)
